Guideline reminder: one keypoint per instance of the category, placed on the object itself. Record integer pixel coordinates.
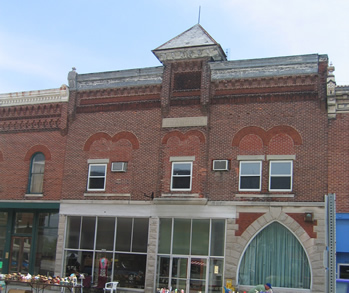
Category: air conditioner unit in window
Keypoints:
(118, 166)
(220, 165)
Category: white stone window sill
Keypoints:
(108, 194)
(34, 195)
(265, 195)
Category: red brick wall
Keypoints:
(284, 121)
(338, 177)
(17, 149)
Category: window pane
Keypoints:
(123, 234)
(200, 237)
(280, 183)
(140, 235)
(217, 237)
(103, 267)
(24, 223)
(3, 228)
(130, 270)
(37, 173)
(180, 182)
(343, 271)
(86, 263)
(72, 263)
(250, 182)
(36, 183)
(163, 272)
(73, 232)
(181, 168)
(88, 232)
(198, 274)
(165, 236)
(97, 170)
(181, 236)
(105, 233)
(38, 163)
(96, 183)
(46, 251)
(280, 168)
(250, 168)
(215, 277)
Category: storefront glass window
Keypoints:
(217, 237)
(88, 232)
(184, 254)
(181, 236)
(140, 235)
(73, 232)
(24, 223)
(3, 224)
(165, 236)
(100, 262)
(130, 270)
(123, 235)
(105, 233)
(46, 244)
(200, 239)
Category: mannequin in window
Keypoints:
(73, 266)
(103, 267)
(102, 272)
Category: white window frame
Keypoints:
(89, 177)
(280, 175)
(190, 176)
(250, 175)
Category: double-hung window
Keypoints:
(181, 176)
(36, 175)
(280, 175)
(250, 175)
(96, 177)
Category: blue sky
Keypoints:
(41, 40)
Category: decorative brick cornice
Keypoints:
(35, 97)
(35, 117)
(118, 99)
(278, 84)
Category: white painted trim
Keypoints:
(108, 194)
(98, 161)
(182, 159)
(180, 194)
(251, 157)
(34, 195)
(56, 95)
(264, 195)
(184, 122)
(176, 210)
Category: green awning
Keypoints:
(30, 205)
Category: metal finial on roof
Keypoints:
(199, 14)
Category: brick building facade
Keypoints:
(189, 175)
(338, 178)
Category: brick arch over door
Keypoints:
(277, 215)
(121, 135)
(38, 149)
(266, 136)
